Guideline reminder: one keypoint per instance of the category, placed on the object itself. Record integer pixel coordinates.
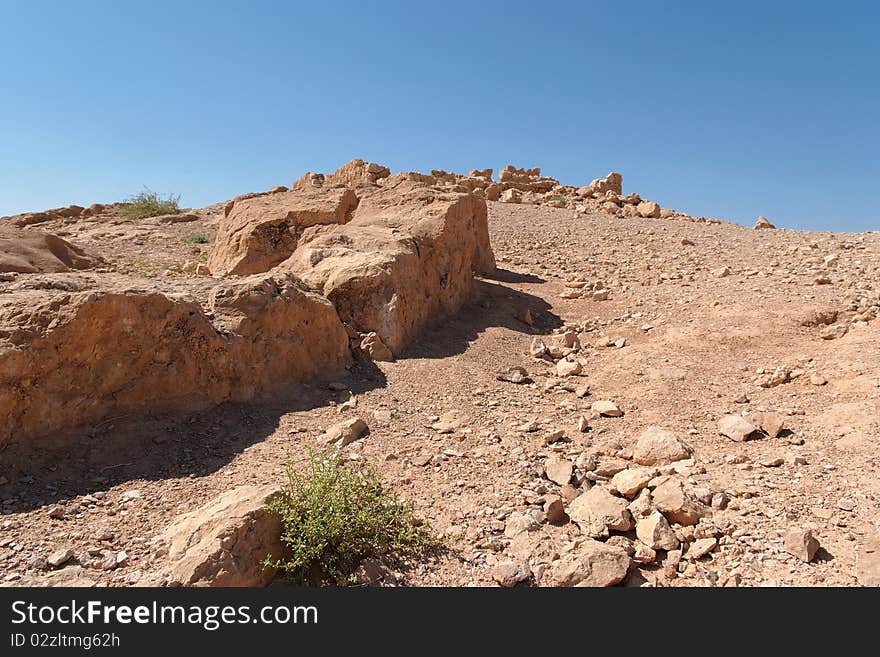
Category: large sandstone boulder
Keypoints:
(407, 259)
(87, 351)
(259, 232)
(225, 542)
(31, 251)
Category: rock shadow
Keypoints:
(493, 305)
(171, 445)
(507, 276)
(158, 446)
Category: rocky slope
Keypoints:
(642, 400)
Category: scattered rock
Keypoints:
(60, 557)
(800, 542)
(373, 346)
(593, 563)
(513, 375)
(510, 573)
(606, 408)
(558, 470)
(677, 504)
(770, 423)
(225, 541)
(554, 510)
(659, 446)
(655, 532)
(597, 511)
(566, 367)
(736, 427)
(701, 547)
(345, 432)
(648, 209)
(762, 223)
(630, 481)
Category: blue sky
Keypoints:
(719, 109)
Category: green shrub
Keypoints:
(334, 514)
(560, 198)
(149, 204)
(198, 238)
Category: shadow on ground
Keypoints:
(156, 447)
(494, 305)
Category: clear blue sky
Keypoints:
(724, 109)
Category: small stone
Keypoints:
(443, 427)
(817, 380)
(655, 532)
(659, 446)
(569, 493)
(345, 432)
(867, 569)
(554, 437)
(421, 460)
(641, 506)
(677, 504)
(56, 512)
(517, 523)
(644, 554)
(566, 367)
(593, 563)
(554, 510)
(736, 427)
(610, 467)
(513, 375)
(630, 481)
(510, 573)
(701, 547)
(773, 462)
(845, 504)
(583, 424)
(800, 542)
(597, 511)
(538, 347)
(770, 423)
(833, 332)
(558, 470)
(60, 557)
(606, 408)
(372, 345)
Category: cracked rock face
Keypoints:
(407, 259)
(67, 358)
(262, 231)
(297, 275)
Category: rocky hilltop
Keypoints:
(575, 385)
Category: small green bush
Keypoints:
(335, 514)
(561, 198)
(149, 204)
(198, 238)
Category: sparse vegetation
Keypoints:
(198, 238)
(334, 514)
(560, 198)
(149, 204)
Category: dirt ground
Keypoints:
(706, 312)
